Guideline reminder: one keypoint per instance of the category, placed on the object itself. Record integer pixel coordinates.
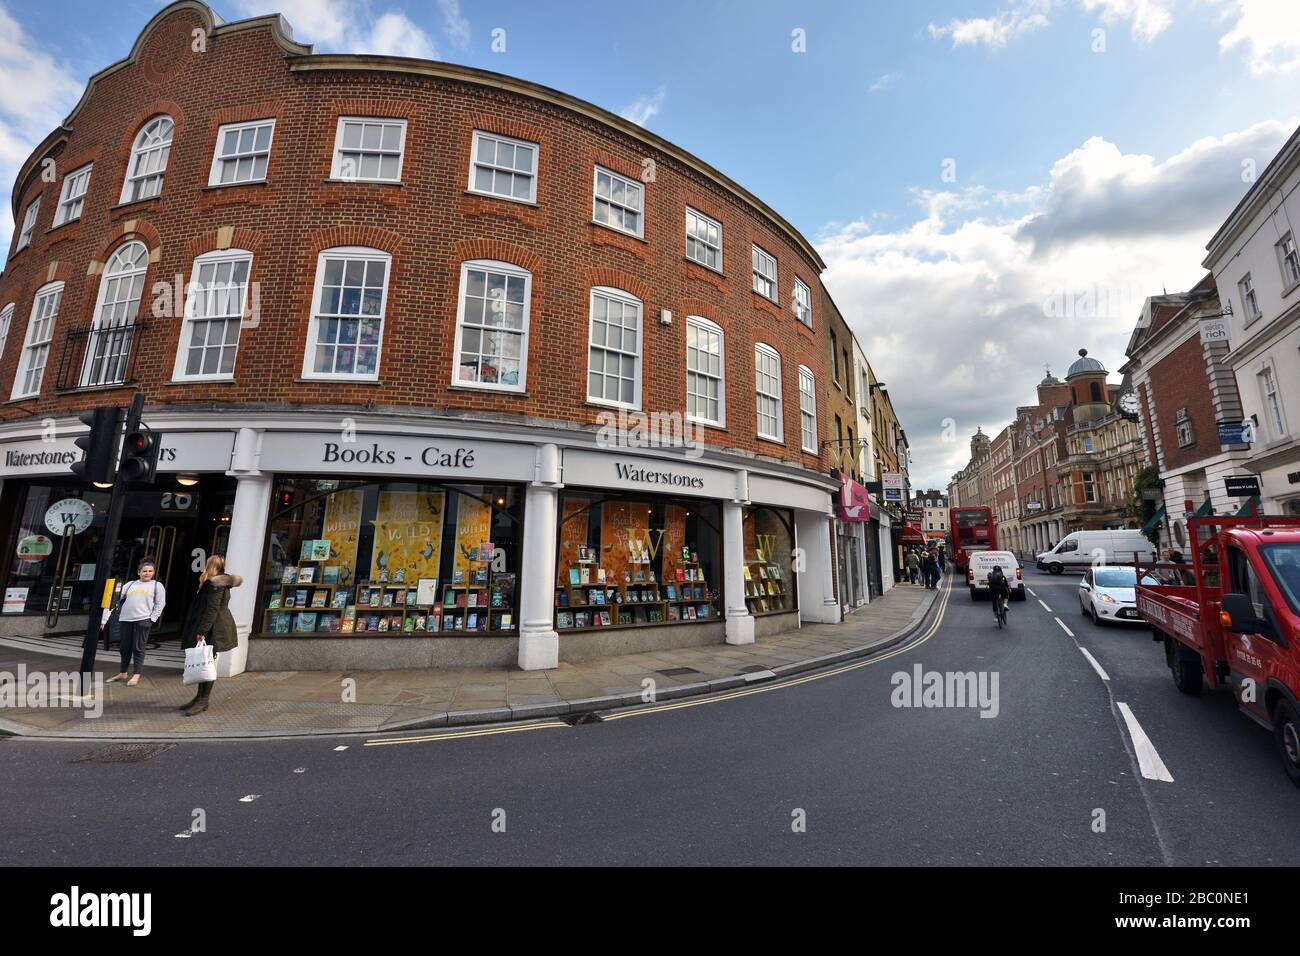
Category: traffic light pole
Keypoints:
(107, 548)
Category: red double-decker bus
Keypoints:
(972, 529)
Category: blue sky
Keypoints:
(1080, 163)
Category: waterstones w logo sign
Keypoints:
(75, 908)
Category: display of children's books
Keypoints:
(306, 574)
(275, 602)
(340, 598)
(318, 598)
(349, 618)
(320, 549)
(278, 623)
(330, 574)
(290, 574)
(300, 597)
(305, 621)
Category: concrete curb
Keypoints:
(521, 712)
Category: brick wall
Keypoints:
(429, 224)
(1179, 380)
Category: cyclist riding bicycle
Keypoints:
(999, 589)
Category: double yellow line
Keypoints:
(699, 702)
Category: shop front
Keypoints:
(52, 526)
(852, 519)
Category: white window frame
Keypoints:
(78, 179)
(29, 224)
(474, 164)
(509, 269)
(1249, 301)
(760, 260)
(115, 355)
(336, 167)
(31, 343)
(313, 323)
(702, 324)
(1288, 260)
(708, 221)
(803, 310)
(625, 298)
(1274, 414)
(765, 351)
(193, 290)
(6, 320)
(138, 150)
(597, 199)
(808, 409)
(219, 159)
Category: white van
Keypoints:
(1081, 549)
(981, 563)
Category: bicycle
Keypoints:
(1000, 612)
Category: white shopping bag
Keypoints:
(200, 663)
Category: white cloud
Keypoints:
(959, 310)
(1269, 30)
(645, 107)
(885, 82)
(454, 23)
(393, 34)
(348, 27)
(1022, 17)
(1147, 19)
(36, 95)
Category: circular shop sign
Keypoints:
(35, 547)
(69, 511)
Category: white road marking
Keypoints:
(337, 749)
(1032, 591)
(1064, 628)
(1045, 607)
(1095, 666)
(1149, 762)
(184, 835)
(300, 770)
(250, 798)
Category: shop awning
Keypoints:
(1155, 520)
(1249, 508)
(911, 533)
(1205, 510)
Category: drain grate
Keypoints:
(124, 753)
(678, 671)
(577, 720)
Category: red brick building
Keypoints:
(427, 315)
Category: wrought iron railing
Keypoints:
(99, 356)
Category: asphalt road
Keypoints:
(825, 770)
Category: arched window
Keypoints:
(347, 315)
(767, 376)
(116, 309)
(492, 326)
(1095, 390)
(614, 349)
(149, 152)
(6, 319)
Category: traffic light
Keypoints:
(139, 456)
(100, 446)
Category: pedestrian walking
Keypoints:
(140, 604)
(942, 560)
(209, 618)
(913, 567)
(930, 567)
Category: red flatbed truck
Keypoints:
(1233, 617)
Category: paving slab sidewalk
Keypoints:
(292, 703)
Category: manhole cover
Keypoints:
(678, 671)
(124, 753)
(576, 720)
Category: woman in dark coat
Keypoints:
(209, 617)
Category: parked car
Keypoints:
(1109, 594)
(1081, 549)
(982, 562)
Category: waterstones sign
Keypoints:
(413, 455)
(179, 451)
(612, 470)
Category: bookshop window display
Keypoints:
(629, 562)
(385, 558)
(768, 534)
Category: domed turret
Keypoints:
(1085, 366)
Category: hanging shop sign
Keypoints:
(69, 512)
(1242, 486)
(892, 481)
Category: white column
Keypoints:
(539, 644)
(739, 622)
(244, 557)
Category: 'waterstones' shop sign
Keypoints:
(408, 455)
(629, 473)
(178, 451)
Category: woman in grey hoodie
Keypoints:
(141, 603)
(209, 618)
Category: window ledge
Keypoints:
(134, 202)
(480, 390)
(697, 262)
(610, 406)
(79, 389)
(397, 184)
(773, 441)
(22, 398)
(317, 380)
(214, 380)
(1287, 290)
(616, 231)
(53, 229)
(765, 298)
(518, 202)
(213, 187)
